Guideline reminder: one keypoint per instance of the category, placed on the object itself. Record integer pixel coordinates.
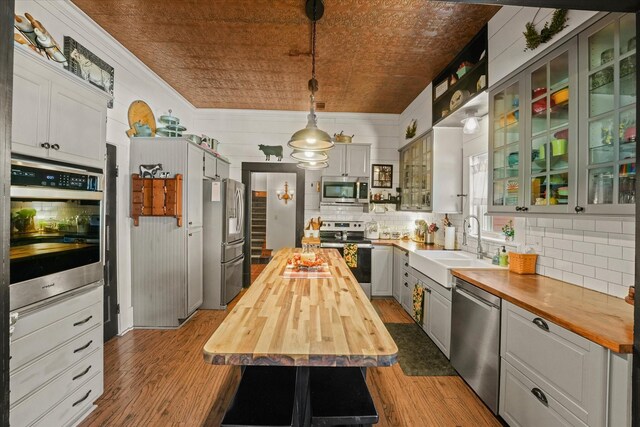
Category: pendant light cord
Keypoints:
(313, 52)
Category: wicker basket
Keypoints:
(522, 263)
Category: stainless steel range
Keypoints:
(335, 234)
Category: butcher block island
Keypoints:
(304, 344)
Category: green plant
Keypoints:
(411, 129)
(535, 38)
(508, 231)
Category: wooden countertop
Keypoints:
(598, 317)
(407, 245)
(302, 322)
(34, 249)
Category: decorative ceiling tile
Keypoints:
(373, 56)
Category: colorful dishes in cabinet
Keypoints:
(560, 97)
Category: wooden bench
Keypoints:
(340, 396)
(265, 398)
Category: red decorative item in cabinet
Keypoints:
(156, 197)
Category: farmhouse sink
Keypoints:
(437, 264)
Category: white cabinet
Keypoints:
(56, 350)
(349, 160)
(214, 167)
(381, 271)
(400, 258)
(55, 114)
(566, 369)
(406, 298)
(195, 162)
(194, 270)
(436, 319)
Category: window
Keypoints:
(478, 181)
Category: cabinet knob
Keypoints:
(190, 234)
(525, 209)
(541, 324)
(518, 208)
(406, 264)
(428, 290)
(579, 209)
(45, 145)
(540, 396)
(406, 274)
(55, 147)
(190, 222)
(406, 285)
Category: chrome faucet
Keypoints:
(467, 224)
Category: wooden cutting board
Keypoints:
(139, 111)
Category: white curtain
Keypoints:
(479, 179)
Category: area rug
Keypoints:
(417, 354)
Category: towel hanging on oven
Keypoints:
(351, 255)
(418, 296)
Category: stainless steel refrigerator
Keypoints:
(223, 228)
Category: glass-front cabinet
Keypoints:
(608, 116)
(533, 152)
(506, 137)
(416, 163)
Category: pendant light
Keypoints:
(310, 156)
(313, 166)
(312, 139)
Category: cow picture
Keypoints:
(271, 150)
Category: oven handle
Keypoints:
(341, 245)
(54, 194)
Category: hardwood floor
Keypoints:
(158, 378)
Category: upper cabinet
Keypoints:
(55, 114)
(349, 160)
(608, 116)
(461, 81)
(550, 153)
(428, 185)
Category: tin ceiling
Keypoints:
(373, 56)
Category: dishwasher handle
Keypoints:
(474, 298)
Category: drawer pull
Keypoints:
(77, 402)
(406, 274)
(82, 322)
(406, 285)
(406, 264)
(84, 347)
(540, 396)
(541, 324)
(82, 374)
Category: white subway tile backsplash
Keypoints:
(545, 222)
(596, 261)
(574, 279)
(563, 223)
(609, 251)
(618, 290)
(629, 227)
(609, 275)
(609, 226)
(553, 273)
(555, 233)
(573, 235)
(571, 256)
(584, 270)
(626, 240)
(627, 279)
(621, 265)
(595, 284)
(545, 261)
(584, 224)
(563, 244)
(596, 237)
(553, 253)
(563, 265)
(629, 254)
(547, 242)
(536, 231)
(584, 247)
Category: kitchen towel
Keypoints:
(418, 296)
(351, 255)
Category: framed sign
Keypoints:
(86, 65)
(381, 176)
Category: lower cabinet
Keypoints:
(56, 370)
(437, 319)
(551, 376)
(382, 271)
(400, 257)
(406, 298)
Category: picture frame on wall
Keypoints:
(381, 176)
(88, 66)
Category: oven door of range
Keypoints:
(362, 272)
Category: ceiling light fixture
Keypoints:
(313, 166)
(310, 156)
(311, 138)
(470, 122)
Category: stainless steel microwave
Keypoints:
(344, 190)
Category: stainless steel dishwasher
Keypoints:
(475, 340)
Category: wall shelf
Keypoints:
(156, 197)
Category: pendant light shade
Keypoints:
(310, 156)
(313, 166)
(311, 139)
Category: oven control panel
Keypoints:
(342, 226)
(35, 177)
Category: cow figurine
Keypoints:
(150, 171)
(271, 150)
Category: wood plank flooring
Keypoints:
(159, 378)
